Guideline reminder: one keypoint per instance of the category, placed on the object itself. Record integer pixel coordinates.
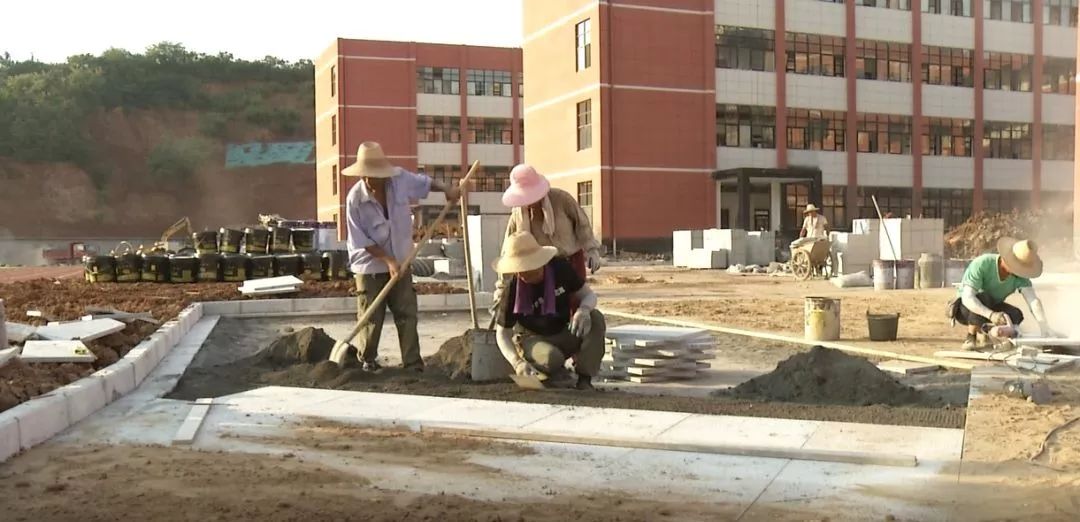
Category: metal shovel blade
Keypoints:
(528, 382)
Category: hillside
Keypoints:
(123, 144)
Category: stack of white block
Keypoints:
(911, 238)
(853, 253)
(719, 248)
(642, 354)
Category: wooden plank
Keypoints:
(850, 457)
(190, 428)
(793, 340)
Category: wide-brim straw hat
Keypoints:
(521, 253)
(811, 208)
(1021, 257)
(370, 163)
(526, 187)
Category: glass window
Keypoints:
(334, 180)
(1007, 72)
(491, 179)
(584, 125)
(815, 54)
(488, 83)
(894, 202)
(583, 44)
(333, 80)
(1007, 140)
(333, 129)
(947, 137)
(438, 129)
(437, 80)
(1005, 201)
(447, 174)
(1059, 76)
(1008, 10)
(810, 129)
(746, 126)
(904, 5)
(954, 206)
(491, 131)
(884, 133)
(948, 66)
(834, 206)
(1059, 142)
(876, 60)
(948, 7)
(585, 198)
(744, 48)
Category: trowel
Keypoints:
(530, 382)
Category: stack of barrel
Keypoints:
(226, 255)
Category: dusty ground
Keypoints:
(13, 274)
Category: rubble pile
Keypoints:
(980, 233)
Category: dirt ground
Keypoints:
(11, 275)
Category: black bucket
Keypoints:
(183, 269)
(262, 266)
(235, 268)
(206, 242)
(336, 264)
(210, 268)
(883, 327)
(280, 240)
(287, 265)
(256, 241)
(155, 268)
(128, 268)
(303, 240)
(230, 240)
(99, 269)
(311, 266)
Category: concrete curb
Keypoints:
(334, 305)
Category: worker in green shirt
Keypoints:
(989, 280)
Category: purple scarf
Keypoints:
(523, 298)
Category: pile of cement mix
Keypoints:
(827, 376)
(307, 345)
(454, 358)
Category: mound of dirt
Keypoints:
(454, 358)
(307, 345)
(827, 376)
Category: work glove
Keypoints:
(999, 318)
(497, 296)
(524, 369)
(581, 323)
(593, 261)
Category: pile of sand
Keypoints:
(454, 358)
(307, 345)
(827, 376)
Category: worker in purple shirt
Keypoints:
(379, 221)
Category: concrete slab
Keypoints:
(271, 282)
(648, 332)
(118, 379)
(927, 444)
(84, 397)
(488, 413)
(17, 333)
(608, 422)
(9, 437)
(190, 428)
(81, 330)
(56, 352)
(906, 367)
(723, 429)
(39, 418)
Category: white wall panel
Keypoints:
(816, 92)
(1059, 109)
(1009, 37)
(736, 157)
(1057, 175)
(438, 105)
(884, 97)
(813, 16)
(746, 13)
(833, 165)
(489, 154)
(875, 23)
(1008, 106)
(438, 153)
(1005, 174)
(490, 106)
(886, 170)
(948, 172)
(1059, 41)
(948, 31)
(948, 102)
(746, 87)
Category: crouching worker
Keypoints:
(535, 330)
(989, 280)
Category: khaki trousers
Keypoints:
(402, 304)
(550, 352)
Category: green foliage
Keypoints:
(174, 161)
(214, 125)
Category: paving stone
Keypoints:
(81, 330)
(56, 352)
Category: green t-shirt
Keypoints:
(982, 275)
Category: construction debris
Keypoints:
(979, 234)
(643, 354)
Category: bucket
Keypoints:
(905, 274)
(882, 326)
(311, 266)
(884, 276)
(954, 271)
(155, 268)
(234, 268)
(210, 267)
(229, 240)
(821, 317)
(303, 240)
(487, 362)
(206, 242)
(336, 264)
(256, 240)
(931, 271)
(287, 265)
(128, 268)
(280, 240)
(98, 269)
(262, 266)
(183, 269)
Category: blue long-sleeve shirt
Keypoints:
(368, 225)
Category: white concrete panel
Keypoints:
(746, 87)
(1006, 174)
(1059, 41)
(732, 157)
(948, 102)
(746, 13)
(740, 431)
(875, 23)
(813, 16)
(1008, 106)
(492, 155)
(9, 437)
(833, 165)
(490, 106)
(438, 105)
(816, 92)
(438, 153)
(630, 424)
(884, 97)
(886, 170)
(1058, 109)
(948, 172)
(1057, 175)
(1009, 37)
(948, 31)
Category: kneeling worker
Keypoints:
(989, 280)
(535, 330)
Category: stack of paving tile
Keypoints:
(642, 354)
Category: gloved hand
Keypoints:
(593, 262)
(999, 318)
(525, 369)
(581, 323)
(497, 296)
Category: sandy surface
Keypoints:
(13, 274)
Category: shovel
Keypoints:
(487, 362)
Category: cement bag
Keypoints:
(856, 280)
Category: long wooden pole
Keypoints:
(341, 347)
(468, 259)
(896, 269)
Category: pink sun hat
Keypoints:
(526, 187)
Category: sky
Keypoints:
(50, 31)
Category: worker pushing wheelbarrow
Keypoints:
(811, 254)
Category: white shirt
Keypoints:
(815, 226)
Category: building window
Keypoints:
(947, 137)
(954, 206)
(746, 126)
(438, 129)
(894, 202)
(834, 206)
(491, 179)
(438, 80)
(333, 80)
(334, 180)
(491, 131)
(876, 60)
(949, 7)
(796, 197)
(1059, 142)
(816, 130)
(583, 44)
(584, 197)
(746, 49)
(1006, 201)
(1008, 10)
(903, 5)
(521, 132)
(1007, 72)
(1007, 140)
(584, 125)
(884, 133)
(488, 83)
(815, 54)
(333, 129)
(948, 66)
(1059, 76)
(449, 175)
(521, 84)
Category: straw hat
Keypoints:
(1020, 257)
(811, 208)
(370, 163)
(521, 253)
(526, 187)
